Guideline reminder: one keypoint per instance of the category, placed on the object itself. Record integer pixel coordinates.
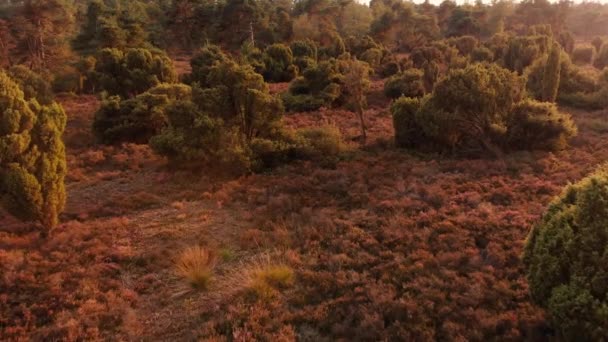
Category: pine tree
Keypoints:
(32, 156)
(6, 43)
(41, 32)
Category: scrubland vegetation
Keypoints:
(311, 170)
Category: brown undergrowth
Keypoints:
(380, 245)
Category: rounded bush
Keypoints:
(464, 44)
(358, 45)
(133, 71)
(33, 85)
(522, 51)
(279, 64)
(471, 106)
(320, 142)
(389, 68)
(302, 102)
(590, 101)
(334, 48)
(576, 79)
(499, 44)
(202, 62)
(426, 54)
(373, 57)
(409, 83)
(482, 54)
(536, 125)
(319, 85)
(408, 132)
(304, 48)
(191, 136)
(566, 256)
(138, 119)
(67, 80)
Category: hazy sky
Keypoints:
(437, 2)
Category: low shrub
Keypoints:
(522, 51)
(305, 54)
(426, 54)
(333, 48)
(137, 119)
(131, 72)
(34, 86)
(469, 105)
(408, 133)
(235, 124)
(320, 142)
(373, 57)
(480, 108)
(304, 48)
(320, 84)
(538, 126)
(464, 44)
(575, 79)
(269, 153)
(589, 101)
(389, 69)
(572, 79)
(66, 80)
(201, 63)
(302, 103)
(482, 54)
(191, 135)
(431, 75)
(279, 64)
(253, 56)
(359, 45)
(409, 83)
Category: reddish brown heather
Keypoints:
(385, 244)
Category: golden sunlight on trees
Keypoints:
(32, 156)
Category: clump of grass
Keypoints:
(264, 281)
(279, 276)
(227, 254)
(195, 265)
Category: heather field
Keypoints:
(303, 170)
(381, 244)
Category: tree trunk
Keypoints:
(252, 35)
(362, 120)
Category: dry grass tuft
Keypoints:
(265, 278)
(196, 264)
